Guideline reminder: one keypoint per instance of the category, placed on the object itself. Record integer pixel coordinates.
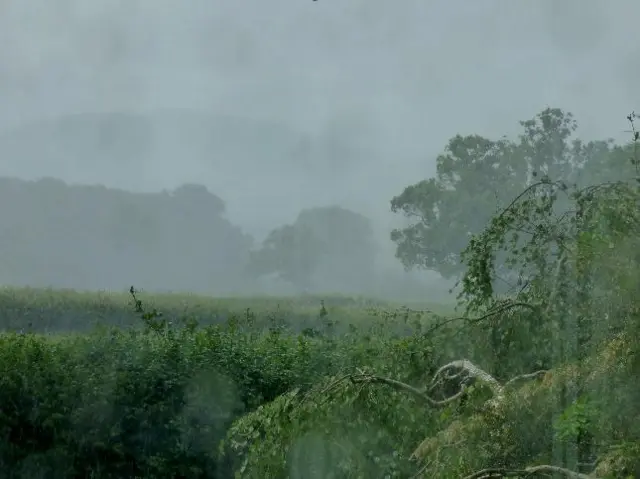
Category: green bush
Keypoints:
(151, 402)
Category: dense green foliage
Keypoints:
(155, 401)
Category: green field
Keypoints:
(47, 310)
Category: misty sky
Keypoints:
(395, 78)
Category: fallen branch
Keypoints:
(494, 473)
(463, 371)
(526, 377)
(399, 385)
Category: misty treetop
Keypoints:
(476, 177)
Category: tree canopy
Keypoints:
(477, 177)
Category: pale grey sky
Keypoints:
(394, 79)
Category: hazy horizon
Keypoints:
(374, 89)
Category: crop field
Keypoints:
(49, 310)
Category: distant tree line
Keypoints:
(54, 234)
(94, 237)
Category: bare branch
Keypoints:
(494, 473)
(525, 377)
(463, 371)
(399, 385)
(497, 309)
(526, 191)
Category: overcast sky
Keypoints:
(400, 77)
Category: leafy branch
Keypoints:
(464, 373)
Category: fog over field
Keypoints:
(319, 238)
(278, 107)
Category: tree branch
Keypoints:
(494, 473)
(463, 370)
(399, 385)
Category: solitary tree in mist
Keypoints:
(348, 247)
(331, 245)
(477, 176)
(292, 252)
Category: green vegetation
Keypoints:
(48, 310)
(535, 380)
